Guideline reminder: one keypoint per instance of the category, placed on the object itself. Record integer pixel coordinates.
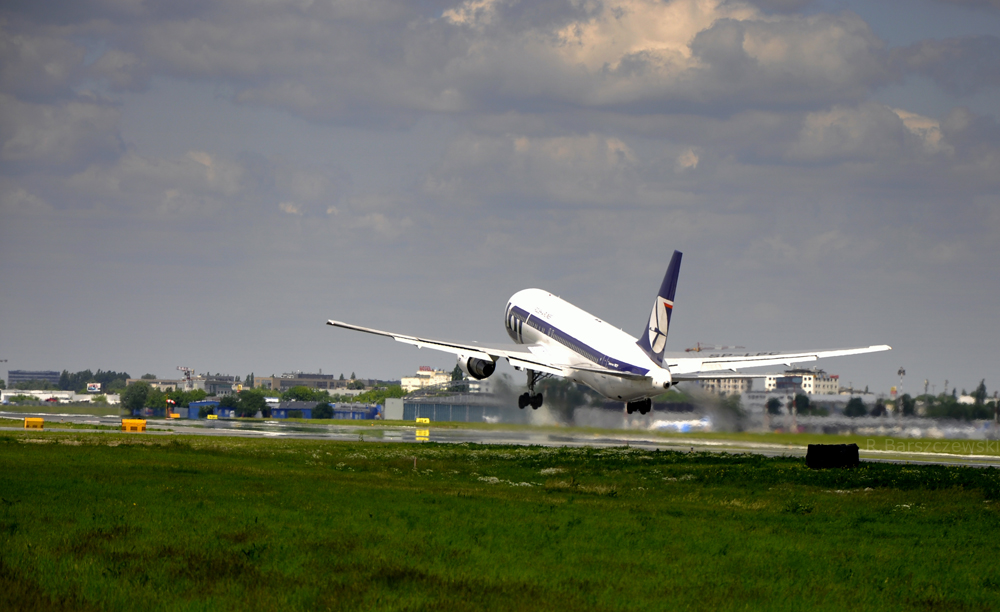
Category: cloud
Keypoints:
(861, 133)
(290, 208)
(65, 136)
(18, 199)
(569, 169)
(961, 66)
(122, 70)
(389, 62)
(782, 6)
(792, 61)
(688, 160)
(925, 128)
(973, 3)
(38, 66)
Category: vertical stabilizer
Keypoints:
(654, 338)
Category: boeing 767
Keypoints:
(563, 340)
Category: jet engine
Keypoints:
(662, 378)
(477, 368)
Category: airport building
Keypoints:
(811, 382)
(727, 386)
(326, 382)
(19, 376)
(160, 384)
(63, 397)
(426, 377)
(211, 384)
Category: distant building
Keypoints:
(18, 376)
(479, 386)
(810, 382)
(211, 384)
(303, 379)
(288, 410)
(426, 376)
(160, 384)
(726, 386)
(63, 397)
(217, 384)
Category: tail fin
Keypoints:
(654, 338)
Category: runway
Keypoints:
(374, 431)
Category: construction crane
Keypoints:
(187, 376)
(699, 347)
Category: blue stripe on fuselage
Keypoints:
(575, 345)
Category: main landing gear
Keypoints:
(641, 406)
(531, 398)
(527, 399)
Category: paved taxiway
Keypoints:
(376, 432)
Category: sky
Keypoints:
(204, 184)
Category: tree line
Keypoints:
(111, 382)
(943, 406)
(249, 402)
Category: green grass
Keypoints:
(57, 424)
(51, 423)
(879, 443)
(127, 521)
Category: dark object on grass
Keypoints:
(822, 456)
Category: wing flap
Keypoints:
(713, 376)
(525, 364)
(607, 372)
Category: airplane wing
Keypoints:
(681, 366)
(520, 360)
(712, 376)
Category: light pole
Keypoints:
(899, 393)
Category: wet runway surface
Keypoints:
(375, 432)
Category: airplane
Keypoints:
(566, 341)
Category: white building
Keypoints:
(810, 382)
(63, 397)
(426, 376)
(726, 386)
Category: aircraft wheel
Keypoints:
(536, 401)
(523, 400)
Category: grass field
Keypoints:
(124, 522)
(56, 424)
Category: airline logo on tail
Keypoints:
(659, 322)
(655, 339)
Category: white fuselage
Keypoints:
(562, 333)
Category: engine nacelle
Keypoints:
(477, 368)
(662, 378)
